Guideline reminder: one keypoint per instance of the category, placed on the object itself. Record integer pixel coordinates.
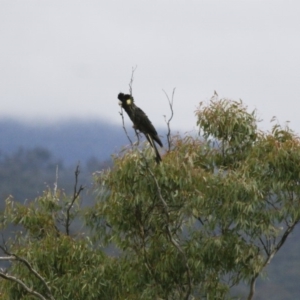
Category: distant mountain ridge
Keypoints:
(71, 141)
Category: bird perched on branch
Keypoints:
(140, 122)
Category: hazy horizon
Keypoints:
(65, 60)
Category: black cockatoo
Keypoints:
(140, 122)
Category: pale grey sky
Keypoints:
(67, 59)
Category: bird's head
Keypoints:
(125, 100)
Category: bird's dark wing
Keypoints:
(142, 123)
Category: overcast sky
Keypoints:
(69, 59)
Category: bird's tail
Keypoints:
(157, 155)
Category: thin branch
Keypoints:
(121, 112)
(270, 257)
(199, 219)
(130, 92)
(235, 279)
(137, 133)
(7, 257)
(284, 237)
(147, 264)
(21, 283)
(131, 79)
(123, 123)
(265, 247)
(11, 257)
(75, 196)
(268, 245)
(170, 236)
(272, 204)
(171, 117)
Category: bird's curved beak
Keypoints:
(120, 103)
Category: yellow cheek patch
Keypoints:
(128, 101)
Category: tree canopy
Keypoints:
(212, 215)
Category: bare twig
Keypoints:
(123, 123)
(121, 112)
(131, 79)
(130, 92)
(14, 257)
(171, 117)
(75, 196)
